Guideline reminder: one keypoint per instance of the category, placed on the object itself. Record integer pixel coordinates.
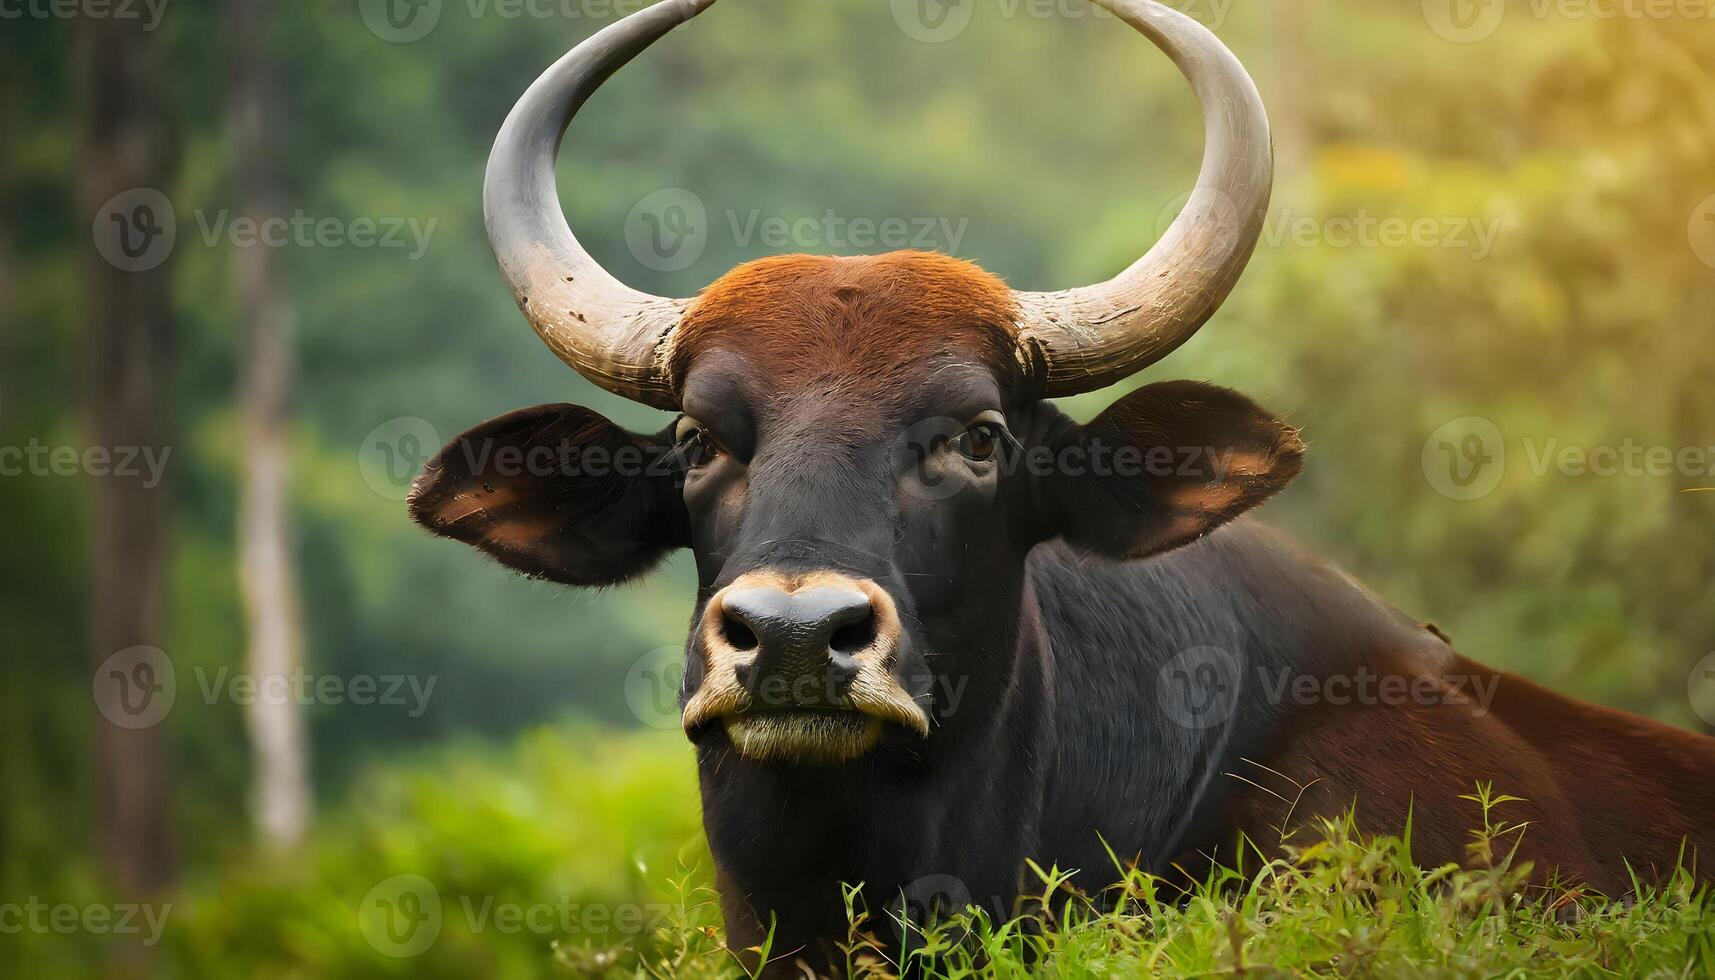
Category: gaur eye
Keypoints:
(693, 443)
(980, 442)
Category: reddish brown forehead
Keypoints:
(796, 318)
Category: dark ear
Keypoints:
(1166, 465)
(557, 492)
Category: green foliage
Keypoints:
(580, 831)
(1064, 142)
(607, 827)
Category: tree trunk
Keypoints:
(280, 795)
(129, 350)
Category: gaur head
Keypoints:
(863, 455)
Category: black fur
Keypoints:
(1058, 721)
(1081, 752)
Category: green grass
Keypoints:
(1335, 906)
(594, 839)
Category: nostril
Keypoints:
(794, 632)
(853, 637)
(738, 636)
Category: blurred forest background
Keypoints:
(1558, 169)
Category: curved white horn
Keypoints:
(1082, 339)
(612, 334)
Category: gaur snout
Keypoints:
(798, 666)
(802, 645)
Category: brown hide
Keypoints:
(1600, 787)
